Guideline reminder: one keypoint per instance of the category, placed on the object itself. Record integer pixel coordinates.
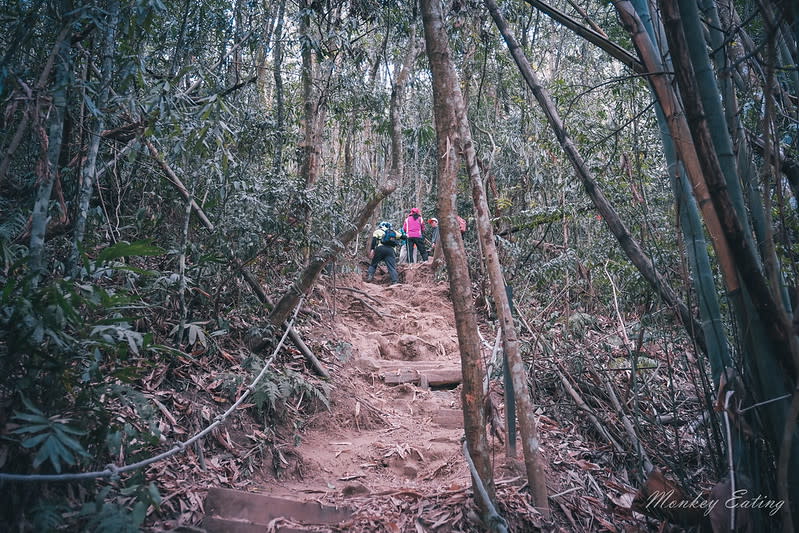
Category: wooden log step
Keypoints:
(432, 377)
(387, 365)
(236, 511)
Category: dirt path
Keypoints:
(381, 437)
(383, 441)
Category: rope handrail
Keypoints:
(112, 470)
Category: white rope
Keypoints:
(112, 470)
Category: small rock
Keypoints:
(355, 489)
(410, 471)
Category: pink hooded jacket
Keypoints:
(414, 225)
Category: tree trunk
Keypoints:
(591, 35)
(445, 93)
(768, 321)
(310, 149)
(277, 160)
(767, 306)
(693, 234)
(48, 167)
(397, 95)
(90, 168)
(681, 135)
(41, 83)
(308, 276)
(527, 425)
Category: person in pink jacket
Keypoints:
(414, 226)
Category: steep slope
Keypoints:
(390, 448)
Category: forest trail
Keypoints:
(382, 435)
(390, 446)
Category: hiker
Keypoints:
(384, 240)
(413, 227)
(433, 223)
(462, 226)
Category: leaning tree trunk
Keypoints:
(308, 276)
(779, 339)
(462, 140)
(693, 233)
(617, 227)
(680, 134)
(746, 260)
(445, 93)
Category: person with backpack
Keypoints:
(413, 227)
(384, 240)
(434, 234)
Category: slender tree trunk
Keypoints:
(767, 306)
(769, 314)
(510, 340)
(693, 232)
(173, 178)
(717, 126)
(48, 165)
(184, 242)
(177, 55)
(314, 94)
(397, 95)
(445, 95)
(277, 161)
(90, 167)
(309, 150)
(41, 83)
(681, 135)
(592, 35)
(249, 278)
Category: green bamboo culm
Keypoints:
(693, 234)
(760, 361)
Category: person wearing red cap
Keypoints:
(414, 226)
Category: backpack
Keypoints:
(389, 237)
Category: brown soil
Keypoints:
(381, 442)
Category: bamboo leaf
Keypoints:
(124, 249)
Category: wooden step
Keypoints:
(233, 511)
(423, 373)
(431, 377)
